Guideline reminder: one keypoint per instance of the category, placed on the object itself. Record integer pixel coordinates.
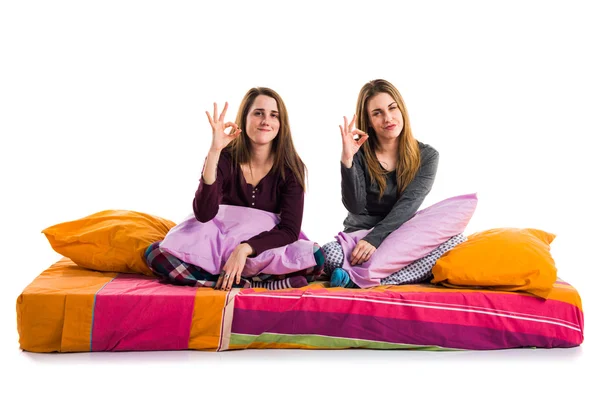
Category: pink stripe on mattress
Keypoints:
(134, 312)
(524, 314)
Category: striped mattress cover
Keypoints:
(71, 309)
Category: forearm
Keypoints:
(209, 175)
(276, 237)
(402, 212)
(354, 193)
(409, 201)
(206, 202)
(208, 195)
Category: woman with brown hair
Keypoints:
(253, 165)
(386, 174)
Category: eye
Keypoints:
(275, 116)
(376, 113)
(393, 107)
(257, 112)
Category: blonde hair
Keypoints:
(409, 156)
(282, 147)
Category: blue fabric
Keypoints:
(340, 278)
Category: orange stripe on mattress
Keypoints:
(54, 313)
(205, 333)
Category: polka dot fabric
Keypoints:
(334, 257)
(420, 270)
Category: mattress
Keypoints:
(71, 309)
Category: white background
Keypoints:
(102, 107)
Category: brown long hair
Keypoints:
(409, 156)
(282, 147)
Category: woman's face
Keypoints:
(262, 121)
(384, 116)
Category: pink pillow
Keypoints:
(415, 239)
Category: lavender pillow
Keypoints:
(415, 239)
(209, 245)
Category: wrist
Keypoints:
(244, 249)
(347, 162)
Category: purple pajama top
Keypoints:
(272, 194)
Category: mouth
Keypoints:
(264, 129)
(390, 127)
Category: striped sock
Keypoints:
(292, 282)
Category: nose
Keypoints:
(388, 116)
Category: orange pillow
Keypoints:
(500, 259)
(111, 240)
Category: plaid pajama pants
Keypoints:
(173, 270)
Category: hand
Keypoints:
(220, 137)
(232, 271)
(350, 145)
(362, 252)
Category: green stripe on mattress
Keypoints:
(325, 342)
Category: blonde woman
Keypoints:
(386, 174)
